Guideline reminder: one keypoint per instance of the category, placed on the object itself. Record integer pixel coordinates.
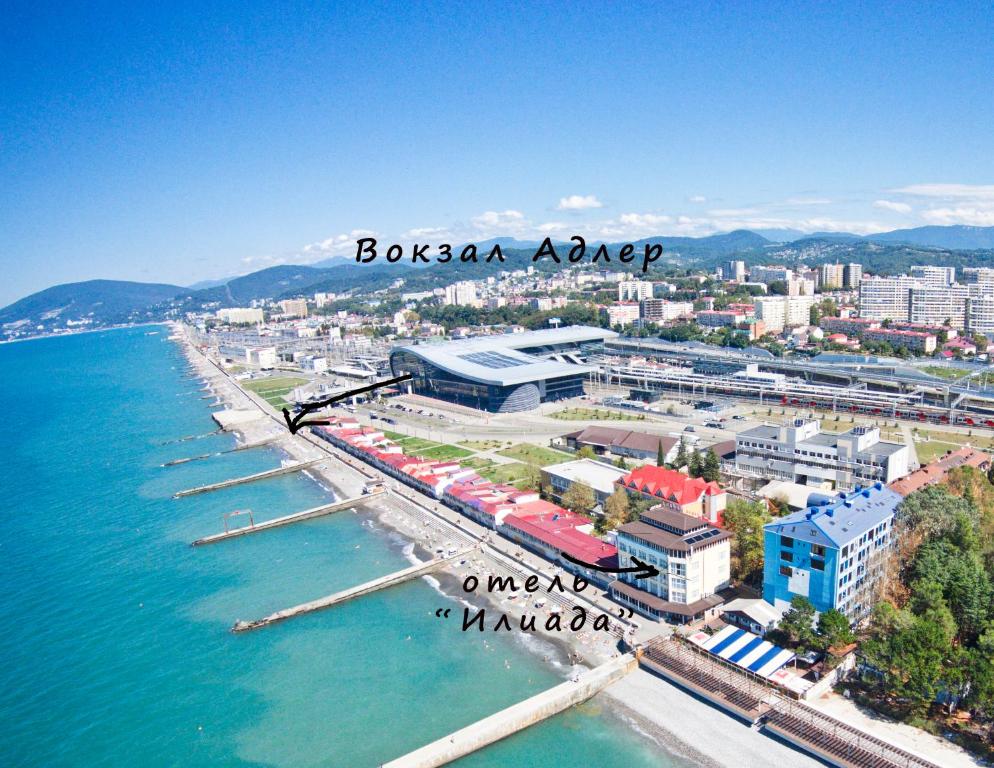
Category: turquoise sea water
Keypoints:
(115, 648)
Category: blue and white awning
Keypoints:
(745, 649)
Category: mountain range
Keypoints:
(107, 302)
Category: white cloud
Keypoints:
(427, 233)
(972, 215)
(950, 191)
(971, 204)
(508, 219)
(643, 220)
(698, 199)
(733, 212)
(890, 205)
(807, 201)
(579, 203)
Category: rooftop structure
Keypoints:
(501, 373)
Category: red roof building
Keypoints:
(678, 492)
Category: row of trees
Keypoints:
(934, 635)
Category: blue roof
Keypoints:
(839, 521)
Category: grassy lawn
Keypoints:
(931, 451)
(395, 436)
(478, 463)
(273, 390)
(535, 454)
(944, 373)
(446, 452)
(415, 445)
(481, 445)
(595, 414)
(515, 474)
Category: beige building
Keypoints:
(294, 307)
(240, 315)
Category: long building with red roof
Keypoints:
(519, 515)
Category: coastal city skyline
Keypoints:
(504, 384)
(201, 145)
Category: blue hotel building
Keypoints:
(833, 553)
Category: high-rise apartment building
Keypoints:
(634, 290)
(831, 276)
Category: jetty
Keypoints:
(247, 446)
(296, 517)
(517, 717)
(285, 470)
(390, 580)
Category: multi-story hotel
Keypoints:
(834, 554)
(801, 453)
(693, 560)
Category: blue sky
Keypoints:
(177, 142)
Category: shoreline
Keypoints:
(640, 703)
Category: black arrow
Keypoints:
(640, 571)
(295, 423)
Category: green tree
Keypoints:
(745, 519)
(797, 625)
(616, 508)
(579, 499)
(694, 464)
(661, 454)
(681, 455)
(586, 452)
(711, 468)
(621, 463)
(835, 630)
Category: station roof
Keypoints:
(498, 359)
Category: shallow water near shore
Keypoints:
(117, 648)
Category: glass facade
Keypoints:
(432, 381)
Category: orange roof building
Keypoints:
(936, 471)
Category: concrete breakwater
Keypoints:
(249, 478)
(517, 717)
(398, 577)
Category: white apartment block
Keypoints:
(662, 311)
(461, 294)
(734, 270)
(800, 452)
(634, 290)
(780, 312)
(934, 276)
(240, 315)
(886, 298)
(770, 274)
(625, 313)
(934, 305)
(981, 276)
